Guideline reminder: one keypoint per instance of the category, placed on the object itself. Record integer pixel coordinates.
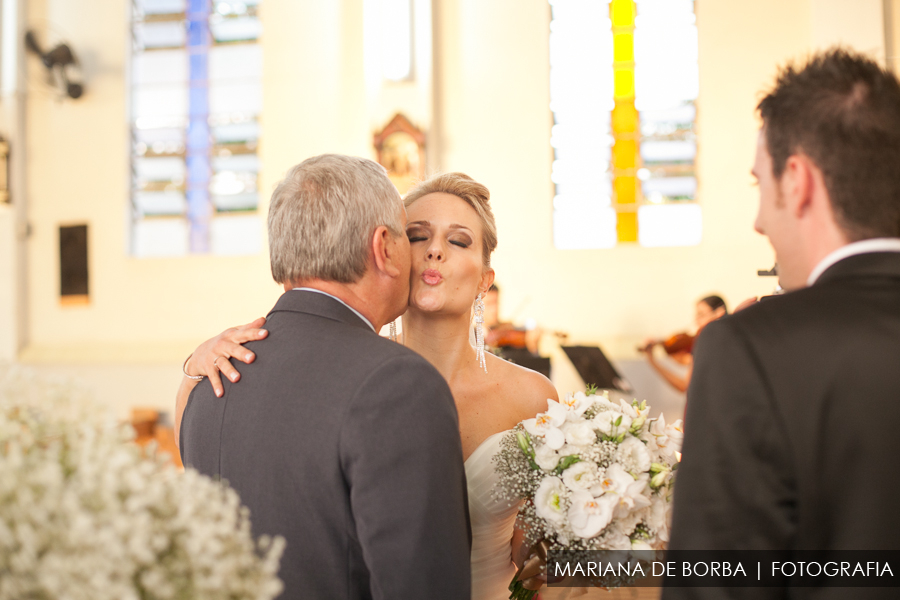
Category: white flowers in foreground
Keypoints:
(594, 474)
(85, 515)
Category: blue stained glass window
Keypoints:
(196, 99)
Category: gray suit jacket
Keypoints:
(791, 426)
(346, 444)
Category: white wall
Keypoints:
(492, 71)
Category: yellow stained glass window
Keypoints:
(624, 82)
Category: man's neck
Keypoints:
(350, 294)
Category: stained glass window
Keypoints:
(623, 86)
(196, 98)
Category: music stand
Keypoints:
(595, 369)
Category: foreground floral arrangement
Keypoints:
(594, 475)
(85, 514)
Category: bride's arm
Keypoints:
(210, 358)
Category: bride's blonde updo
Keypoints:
(472, 193)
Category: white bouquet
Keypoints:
(86, 514)
(594, 475)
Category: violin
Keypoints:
(505, 335)
(675, 344)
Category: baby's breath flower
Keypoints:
(85, 514)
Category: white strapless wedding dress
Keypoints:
(492, 523)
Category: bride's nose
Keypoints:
(435, 252)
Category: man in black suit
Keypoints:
(345, 443)
(794, 404)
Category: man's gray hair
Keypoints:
(322, 217)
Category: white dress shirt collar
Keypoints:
(358, 314)
(861, 247)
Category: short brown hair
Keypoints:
(842, 110)
(472, 193)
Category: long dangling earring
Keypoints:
(393, 331)
(479, 332)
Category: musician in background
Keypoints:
(680, 346)
(501, 336)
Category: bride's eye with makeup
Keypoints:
(461, 242)
(416, 235)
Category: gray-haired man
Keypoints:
(343, 442)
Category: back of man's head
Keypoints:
(322, 217)
(842, 111)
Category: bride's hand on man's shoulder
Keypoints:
(211, 357)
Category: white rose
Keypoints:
(546, 457)
(581, 476)
(549, 500)
(568, 449)
(588, 516)
(640, 545)
(633, 451)
(579, 434)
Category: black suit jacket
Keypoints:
(346, 444)
(793, 418)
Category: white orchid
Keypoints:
(588, 516)
(668, 437)
(576, 404)
(632, 499)
(628, 409)
(549, 500)
(581, 476)
(546, 425)
(615, 479)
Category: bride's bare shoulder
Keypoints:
(528, 389)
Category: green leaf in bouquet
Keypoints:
(527, 449)
(566, 462)
(591, 390)
(618, 421)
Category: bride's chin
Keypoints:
(426, 304)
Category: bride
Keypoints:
(452, 234)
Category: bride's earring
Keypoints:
(393, 331)
(479, 332)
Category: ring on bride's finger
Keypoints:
(216, 360)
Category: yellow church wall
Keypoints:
(491, 120)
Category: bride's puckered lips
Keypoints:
(432, 276)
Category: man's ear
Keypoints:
(385, 251)
(797, 184)
(487, 280)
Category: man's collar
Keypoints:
(358, 314)
(853, 249)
